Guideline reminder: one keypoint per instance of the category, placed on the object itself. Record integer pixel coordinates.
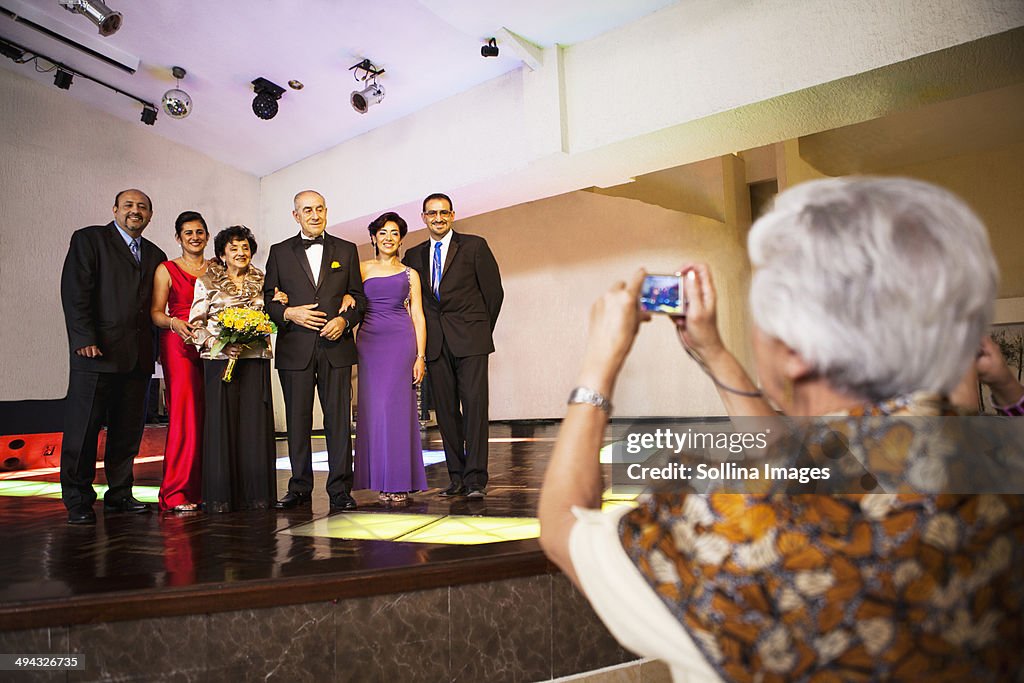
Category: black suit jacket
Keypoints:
(106, 297)
(471, 296)
(288, 270)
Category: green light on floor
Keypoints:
(51, 489)
(466, 530)
(364, 526)
(29, 488)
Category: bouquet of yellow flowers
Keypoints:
(244, 326)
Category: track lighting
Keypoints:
(264, 105)
(62, 79)
(98, 13)
(176, 103)
(65, 74)
(362, 100)
(490, 49)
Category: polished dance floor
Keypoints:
(431, 590)
(157, 564)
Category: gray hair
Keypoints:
(884, 285)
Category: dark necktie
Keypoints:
(319, 239)
(134, 247)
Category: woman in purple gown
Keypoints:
(391, 342)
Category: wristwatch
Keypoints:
(590, 397)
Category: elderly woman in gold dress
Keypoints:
(238, 441)
(869, 298)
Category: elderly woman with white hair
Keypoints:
(869, 298)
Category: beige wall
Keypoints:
(556, 257)
(62, 163)
(992, 182)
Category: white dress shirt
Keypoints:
(315, 256)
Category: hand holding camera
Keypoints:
(614, 321)
(698, 328)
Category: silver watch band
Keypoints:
(590, 397)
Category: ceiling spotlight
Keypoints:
(264, 105)
(62, 79)
(365, 72)
(148, 115)
(176, 102)
(11, 51)
(98, 13)
(362, 100)
(490, 49)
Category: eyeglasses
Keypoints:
(445, 213)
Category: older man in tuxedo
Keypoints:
(106, 288)
(315, 346)
(462, 297)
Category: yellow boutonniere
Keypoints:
(335, 265)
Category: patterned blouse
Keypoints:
(817, 587)
(216, 292)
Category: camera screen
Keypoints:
(661, 294)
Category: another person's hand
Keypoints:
(995, 372)
(419, 370)
(334, 328)
(280, 297)
(347, 302)
(90, 351)
(183, 329)
(614, 321)
(305, 316)
(233, 350)
(698, 329)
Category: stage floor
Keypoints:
(157, 564)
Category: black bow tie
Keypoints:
(319, 239)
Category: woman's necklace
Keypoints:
(195, 269)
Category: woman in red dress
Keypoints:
(173, 285)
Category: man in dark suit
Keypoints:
(315, 347)
(461, 301)
(106, 288)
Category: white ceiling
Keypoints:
(430, 50)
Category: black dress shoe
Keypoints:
(453, 490)
(126, 504)
(342, 501)
(292, 500)
(81, 514)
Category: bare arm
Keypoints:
(419, 324)
(699, 332)
(158, 310)
(573, 476)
